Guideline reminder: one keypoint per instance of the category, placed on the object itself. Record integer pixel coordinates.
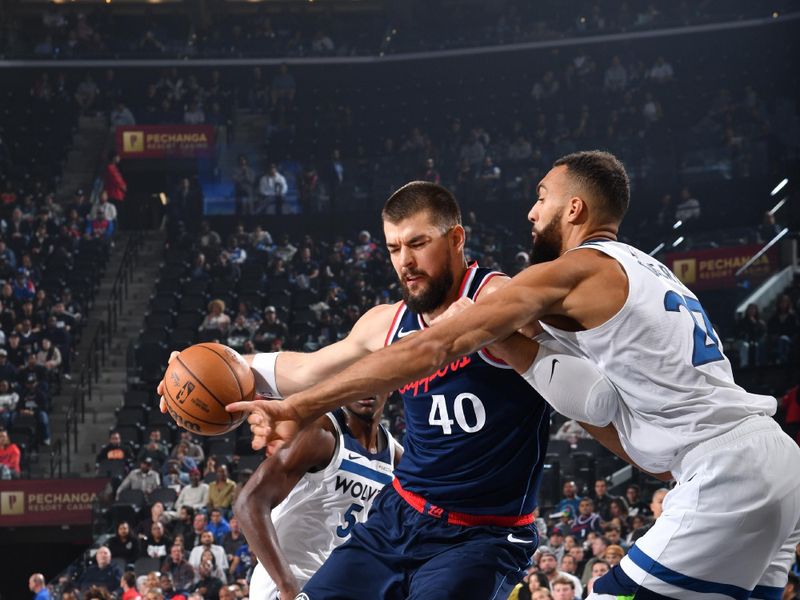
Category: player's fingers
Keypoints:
(172, 356)
(160, 388)
(162, 404)
(242, 405)
(258, 443)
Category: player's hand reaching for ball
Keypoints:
(273, 423)
(160, 388)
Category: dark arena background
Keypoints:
(158, 156)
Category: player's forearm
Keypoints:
(517, 351)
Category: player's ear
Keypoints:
(576, 209)
(458, 237)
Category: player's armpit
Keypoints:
(609, 438)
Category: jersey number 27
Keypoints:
(703, 352)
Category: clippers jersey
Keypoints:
(476, 432)
(663, 356)
(320, 512)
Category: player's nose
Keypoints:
(533, 214)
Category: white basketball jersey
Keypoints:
(321, 510)
(662, 354)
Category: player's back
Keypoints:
(662, 354)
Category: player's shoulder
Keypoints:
(373, 324)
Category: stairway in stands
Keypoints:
(84, 156)
(107, 392)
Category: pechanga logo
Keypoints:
(184, 392)
(12, 503)
(133, 141)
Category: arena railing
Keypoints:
(381, 57)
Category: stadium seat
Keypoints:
(145, 565)
(166, 496)
(133, 497)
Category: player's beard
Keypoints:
(433, 296)
(547, 244)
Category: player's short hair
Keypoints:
(418, 196)
(563, 580)
(603, 176)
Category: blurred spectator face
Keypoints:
(563, 591)
(199, 522)
(586, 507)
(115, 439)
(4, 439)
(206, 538)
(216, 517)
(599, 568)
(157, 530)
(226, 593)
(568, 564)
(155, 436)
(657, 505)
(547, 564)
(176, 554)
(598, 546)
(222, 473)
(569, 489)
(600, 488)
(144, 466)
(103, 556)
(234, 524)
(613, 555)
(194, 478)
(577, 553)
(123, 530)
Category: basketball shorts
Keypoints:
(729, 528)
(400, 553)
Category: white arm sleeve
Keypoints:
(263, 367)
(573, 386)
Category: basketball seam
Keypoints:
(235, 377)
(186, 412)
(210, 393)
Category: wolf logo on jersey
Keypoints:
(320, 512)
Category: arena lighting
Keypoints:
(677, 224)
(657, 249)
(776, 14)
(758, 254)
(779, 187)
(677, 242)
(778, 206)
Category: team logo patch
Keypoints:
(302, 596)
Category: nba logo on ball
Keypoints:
(184, 392)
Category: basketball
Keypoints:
(201, 381)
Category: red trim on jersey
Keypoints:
(394, 322)
(493, 357)
(464, 280)
(421, 505)
(475, 297)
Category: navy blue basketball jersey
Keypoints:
(476, 432)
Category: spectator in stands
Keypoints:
(194, 114)
(115, 450)
(233, 539)
(108, 210)
(792, 588)
(563, 588)
(195, 494)
(616, 76)
(272, 188)
(751, 332)
(128, 585)
(114, 183)
(569, 499)
(207, 583)
(207, 545)
(271, 328)
(182, 573)
(220, 493)
(661, 72)
(636, 506)
(599, 545)
(548, 566)
(86, 93)
(215, 320)
(613, 555)
(121, 115)
(10, 455)
(602, 500)
(283, 86)
(8, 402)
(782, 330)
(97, 593)
(34, 402)
(688, 208)
(599, 569)
(155, 450)
(124, 544)
(217, 525)
(145, 478)
(158, 543)
(191, 449)
(38, 586)
(49, 357)
(586, 521)
(244, 181)
(103, 573)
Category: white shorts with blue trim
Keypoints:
(730, 526)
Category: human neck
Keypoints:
(365, 432)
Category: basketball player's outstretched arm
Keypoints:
(542, 290)
(271, 483)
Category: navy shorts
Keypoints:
(399, 553)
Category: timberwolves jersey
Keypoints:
(662, 354)
(321, 510)
(476, 432)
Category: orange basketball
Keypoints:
(201, 381)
